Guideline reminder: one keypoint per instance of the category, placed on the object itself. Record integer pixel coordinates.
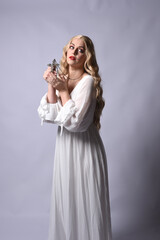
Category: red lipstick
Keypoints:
(72, 58)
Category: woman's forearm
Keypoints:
(51, 95)
(64, 96)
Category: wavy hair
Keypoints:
(90, 67)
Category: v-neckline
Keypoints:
(78, 84)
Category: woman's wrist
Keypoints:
(50, 86)
(51, 95)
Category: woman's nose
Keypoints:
(75, 51)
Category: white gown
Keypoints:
(80, 208)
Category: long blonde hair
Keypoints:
(90, 67)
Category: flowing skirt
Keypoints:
(80, 208)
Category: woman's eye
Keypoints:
(81, 50)
(71, 47)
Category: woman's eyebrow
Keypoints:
(78, 46)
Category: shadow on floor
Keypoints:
(148, 234)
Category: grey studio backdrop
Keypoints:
(126, 34)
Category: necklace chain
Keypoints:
(76, 78)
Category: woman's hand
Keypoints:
(59, 82)
(49, 76)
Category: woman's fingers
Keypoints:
(45, 75)
(63, 77)
(49, 76)
(58, 81)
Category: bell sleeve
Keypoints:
(77, 113)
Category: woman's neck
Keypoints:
(74, 73)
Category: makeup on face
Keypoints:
(77, 49)
(76, 52)
(72, 58)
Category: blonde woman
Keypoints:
(80, 208)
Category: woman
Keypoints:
(80, 207)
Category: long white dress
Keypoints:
(80, 208)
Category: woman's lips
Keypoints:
(72, 58)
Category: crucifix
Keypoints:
(54, 66)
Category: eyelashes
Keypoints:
(81, 50)
(71, 47)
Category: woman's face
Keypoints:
(76, 53)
